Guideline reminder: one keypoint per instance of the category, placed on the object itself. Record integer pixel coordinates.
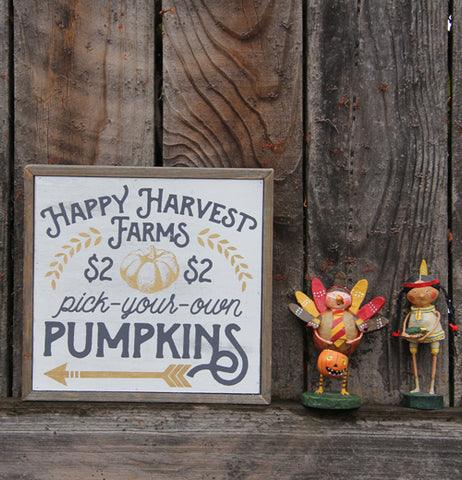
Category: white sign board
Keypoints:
(148, 284)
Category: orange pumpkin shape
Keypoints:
(149, 269)
(332, 363)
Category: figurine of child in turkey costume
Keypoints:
(338, 325)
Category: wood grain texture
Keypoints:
(456, 190)
(377, 165)
(84, 78)
(283, 441)
(232, 76)
(232, 97)
(85, 82)
(5, 192)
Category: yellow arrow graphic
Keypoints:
(173, 375)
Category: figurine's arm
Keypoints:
(327, 342)
(375, 323)
(403, 333)
(357, 339)
(361, 324)
(303, 315)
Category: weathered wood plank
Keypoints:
(456, 207)
(84, 76)
(5, 190)
(377, 165)
(232, 98)
(283, 441)
(85, 79)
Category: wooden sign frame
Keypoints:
(117, 312)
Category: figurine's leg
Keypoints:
(320, 389)
(344, 383)
(435, 351)
(413, 350)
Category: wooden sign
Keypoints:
(148, 284)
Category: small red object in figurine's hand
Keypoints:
(454, 328)
(396, 334)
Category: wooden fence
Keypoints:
(356, 105)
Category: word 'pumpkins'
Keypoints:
(332, 363)
(149, 269)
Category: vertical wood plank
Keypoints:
(85, 82)
(377, 166)
(233, 98)
(5, 139)
(456, 210)
(84, 76)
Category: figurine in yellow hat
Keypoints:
(423, 323)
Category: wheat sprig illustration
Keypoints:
(74, 246)
(224, 248)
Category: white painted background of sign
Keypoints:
(243, 195)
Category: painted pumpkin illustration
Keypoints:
(332, 363)
(149, 269)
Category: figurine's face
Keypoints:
(338, 300)
(422, 297)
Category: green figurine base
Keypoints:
(423, 401)
(331, 400)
